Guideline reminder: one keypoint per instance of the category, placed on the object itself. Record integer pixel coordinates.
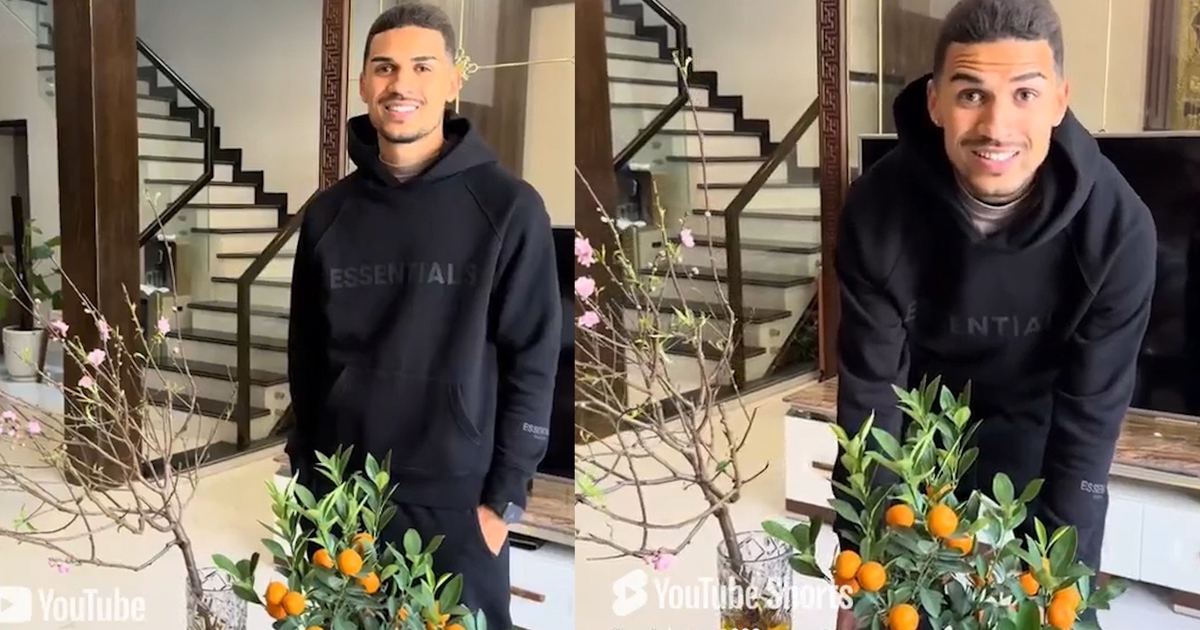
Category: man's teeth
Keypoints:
(401, 108)
(995, 156)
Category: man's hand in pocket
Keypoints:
(495, 530)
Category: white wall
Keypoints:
(259, 65)
(549, 152)
(763, 50)
(19, 100)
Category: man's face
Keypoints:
(406, 83)
(997, 104)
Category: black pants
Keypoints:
(486, 581)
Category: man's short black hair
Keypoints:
(413, 13)
(985, 21)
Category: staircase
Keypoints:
(780, 226)
(221, 230)
(213, 238)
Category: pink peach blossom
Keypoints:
(686, 237)
(585, 287)
(584, 253)
(96, 357)
(589, 319)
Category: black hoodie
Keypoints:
(1045, 319)
(426, 322)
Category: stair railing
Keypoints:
(241, 405)
(682, 52)
(733, 233)
(210, 145)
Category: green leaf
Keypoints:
(846, 511)
(275, 548)
(960, 603)
(381, 479)
(1031, 490)
(1040, 528)
(245, 593)
(961, 416)
(1062, 550)
(780, 532)
(228, 566)
(451, 593)
(806, 565)
(888, 444)
(814, 530)
(931, 601)
(307, 500)
(948, 401)
(1028, 616)
(1002, 489)
(412, 543)
(341, 623)
(966, 460)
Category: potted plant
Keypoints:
(25, 288)
(335, 574)
(961, 562)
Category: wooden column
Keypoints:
(335, 69)
(95, 60)
(834, 173)
(594, 161)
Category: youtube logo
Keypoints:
(16, 604)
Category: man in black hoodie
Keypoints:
(425, 313)
(996, 246)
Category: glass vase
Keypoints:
(756, 584)
(227, 611)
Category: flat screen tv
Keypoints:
(1164, 169)
(560, 456)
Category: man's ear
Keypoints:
(1063, 96)
(931, 102)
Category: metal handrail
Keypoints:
(676, 104)
(733, 234)
(210, 145)
(244, 282)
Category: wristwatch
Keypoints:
(508, 512)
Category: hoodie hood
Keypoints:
(1065, 178)
(464, 149)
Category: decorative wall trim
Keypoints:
(335, 35)
(834, 173)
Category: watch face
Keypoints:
(512, 513)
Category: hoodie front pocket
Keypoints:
(420, 421)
